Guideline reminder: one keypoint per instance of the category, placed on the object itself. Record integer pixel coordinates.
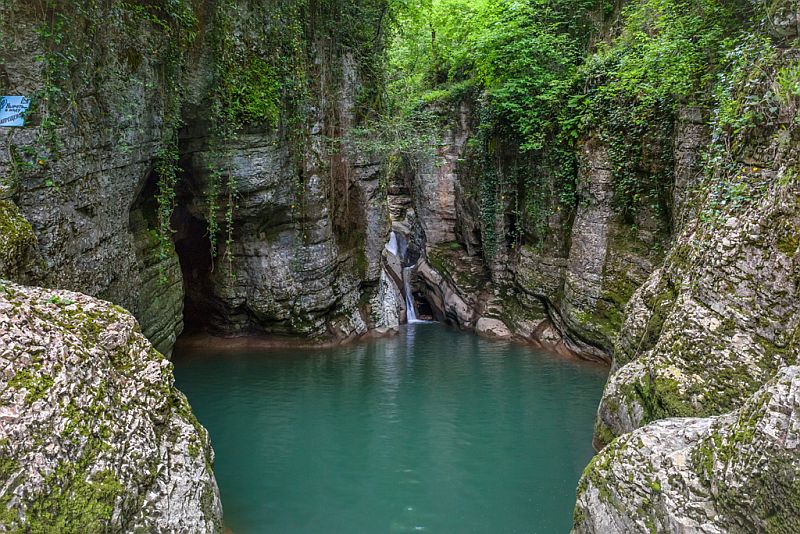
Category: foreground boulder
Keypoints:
(94, 437)
(737, 472)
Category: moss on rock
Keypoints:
(93, 440)
(16, 240)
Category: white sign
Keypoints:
(12, 110)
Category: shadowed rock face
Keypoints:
(732, 473)
(307, 242)
(94, 435)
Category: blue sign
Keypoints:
(12, 110)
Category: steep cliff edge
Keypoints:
(195, 153)
(719, 318)
(711, 326)
(558, 279)
(95, 437)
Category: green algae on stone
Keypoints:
(107, 451)
(16, 239)
(33, 381)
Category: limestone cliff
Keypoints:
(719, 317)
(195, 153)
(76, 171)
(95, 437)
(563, 283)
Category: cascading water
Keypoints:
(391, 246)
(411, 312)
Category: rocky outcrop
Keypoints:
(713, 324)
(736, 472)
(701, 338)
(94, 435)
(719, 318)
(435, 180)
(292, 267)
(691, 137)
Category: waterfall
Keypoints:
(411, 312)
(391, 246)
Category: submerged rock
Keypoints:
(732, 473)
(94, 435)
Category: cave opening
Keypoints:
(425, 311)
(193, 247)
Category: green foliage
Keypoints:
(166, 168)
(523, 54)
(668, 54)
(743, 93)
(528, 61)
(58, 301)
(250, 92)
(546, 74)
(788, 83)
(517, 64)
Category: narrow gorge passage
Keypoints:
(432, 430)
(230, 182)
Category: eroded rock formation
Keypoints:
(730, 473)
(94, 435)
(303, 255)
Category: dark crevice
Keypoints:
(425, 311)
(194, 253)
(143, 214)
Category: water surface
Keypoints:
(430, 431)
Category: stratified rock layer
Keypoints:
(94, 437)
(310, 218)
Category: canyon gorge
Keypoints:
(194, 168)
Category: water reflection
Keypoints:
(431, 430)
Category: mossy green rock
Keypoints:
(17, 240)
(95, 437)
(732, 473)
(717, 321)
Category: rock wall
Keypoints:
(310, 220)
(701, 338)
(75, 172)
(563, 284)
(307, 242)
(95, 437)
(718, 319)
